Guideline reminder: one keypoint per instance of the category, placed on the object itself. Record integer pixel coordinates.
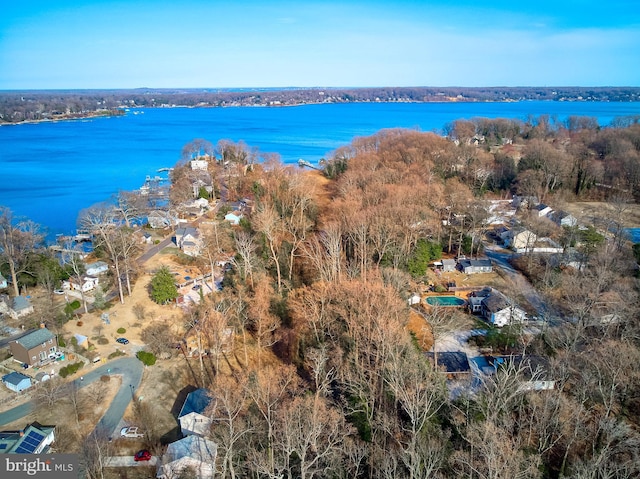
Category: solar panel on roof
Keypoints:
(3, 446)
(35, 435)
(30, 443)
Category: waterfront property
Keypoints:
(446, 301)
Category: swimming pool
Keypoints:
(447, 301)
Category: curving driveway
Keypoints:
(501, 258)
(131, 371)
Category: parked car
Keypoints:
(196, 287)
(122, 341)
(58, 291)
(142, 455)
(131, 431)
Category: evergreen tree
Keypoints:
(163, 287)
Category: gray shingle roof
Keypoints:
(20, 303)
(35, 338)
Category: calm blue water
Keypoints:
(50, 171)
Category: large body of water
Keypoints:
(50, 171)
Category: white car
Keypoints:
(131, 431)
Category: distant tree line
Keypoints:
(19, 106)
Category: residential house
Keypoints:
(200, 164)
(146, 238)
(160, 219)
(542, 210)
(523, 201)
(194, 453)
(448, 265)
(475, 299)
(534, 371)
(454, 363)
(84, 284)
(188, 240)
(16, 381)
(34, 347)
(570, 258)
(518, 239)
(15, 307)
(3, 282)
(33, 439)
(233, 217)
(191, 417)
(562, 218)
(473, 266)
(498, 310)
(93, 269)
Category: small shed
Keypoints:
(16, 381)
(414, 299)
(448, 265)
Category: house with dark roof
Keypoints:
(534, 371)
(454, 363)
(473, 266)
(498, 310)
(542, 210)
(34, 347)
(33, 439)
(191, 417)
(16, 381)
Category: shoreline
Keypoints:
(292, 105)
(56, 120)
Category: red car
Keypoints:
(142, 455)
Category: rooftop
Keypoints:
(20, 303)
(14, 378)
(27, 441)
(452, 362)
(197, 401)
(35, 338)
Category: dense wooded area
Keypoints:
(321, 279)
(331, 383)
(39, 105)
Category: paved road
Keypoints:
(501, 258)
(155, 249)
(131, 371)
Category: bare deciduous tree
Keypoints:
(17, 241)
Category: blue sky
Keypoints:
(197, 43)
